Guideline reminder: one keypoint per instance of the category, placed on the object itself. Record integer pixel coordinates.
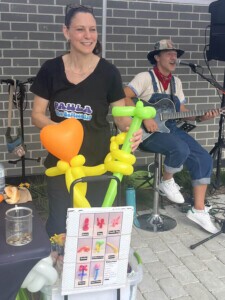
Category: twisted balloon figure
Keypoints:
(139, 113)
(116, 161)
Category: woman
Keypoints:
(82, 85)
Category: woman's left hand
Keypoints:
(210, 115)
(136, 139)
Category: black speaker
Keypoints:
(217, 31)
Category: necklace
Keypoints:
(81, 73)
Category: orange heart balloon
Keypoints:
(64, 139)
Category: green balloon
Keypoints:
(139, 113)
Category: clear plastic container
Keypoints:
(18, 226)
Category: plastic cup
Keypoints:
(18, 226)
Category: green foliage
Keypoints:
(39, 195)
(138, 178)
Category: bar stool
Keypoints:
(154, 221)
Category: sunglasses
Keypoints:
(77, 7)
(72, 8)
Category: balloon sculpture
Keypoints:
(64, 140)
(138, 113)
(43, 273)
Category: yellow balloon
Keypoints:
(123, 156)
(113, 146)
(120, 138)
(79, 200)
(118, 167)
(63, 165)
(77, 161)
(108, 158)
(95, 171)
(74, 174)
(54, 171)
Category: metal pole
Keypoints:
(104, 16)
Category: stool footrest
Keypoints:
(155, 222)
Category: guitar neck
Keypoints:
(182, 114)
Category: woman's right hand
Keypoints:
(150, 125)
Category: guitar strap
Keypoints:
(172, 89)
(155, 87)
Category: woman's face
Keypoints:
(82, 33)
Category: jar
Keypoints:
(18, 226)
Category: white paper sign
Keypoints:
(96, 249)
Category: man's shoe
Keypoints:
(203, 219)
(171, 190)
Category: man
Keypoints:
(176, 145)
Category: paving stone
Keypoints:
(172, 288)
(180, 250)
(214, 246)
(193, 263)
(138, 242)
(157, 245)
(158, 270)
(217, 267)
(180, 229)
(203, 253)
(168, 236)
(220, 295)
(221, 256)
(139, 296)
(156, 295)
(168, 258)
(187, 239)
(185, 298)
(220, 239)
(223, 279)
(183, 275)
(147, 255)
(146, 234)
(198, 291)
(148, 284)
(209, 280)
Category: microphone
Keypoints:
(185, 63)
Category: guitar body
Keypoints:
(163, 107)
(165, 110)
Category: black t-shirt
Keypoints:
(87, 101)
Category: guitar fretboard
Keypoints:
(183, 114)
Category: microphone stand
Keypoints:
(222, 230)
(216, 151)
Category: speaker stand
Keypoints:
(216, 151)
